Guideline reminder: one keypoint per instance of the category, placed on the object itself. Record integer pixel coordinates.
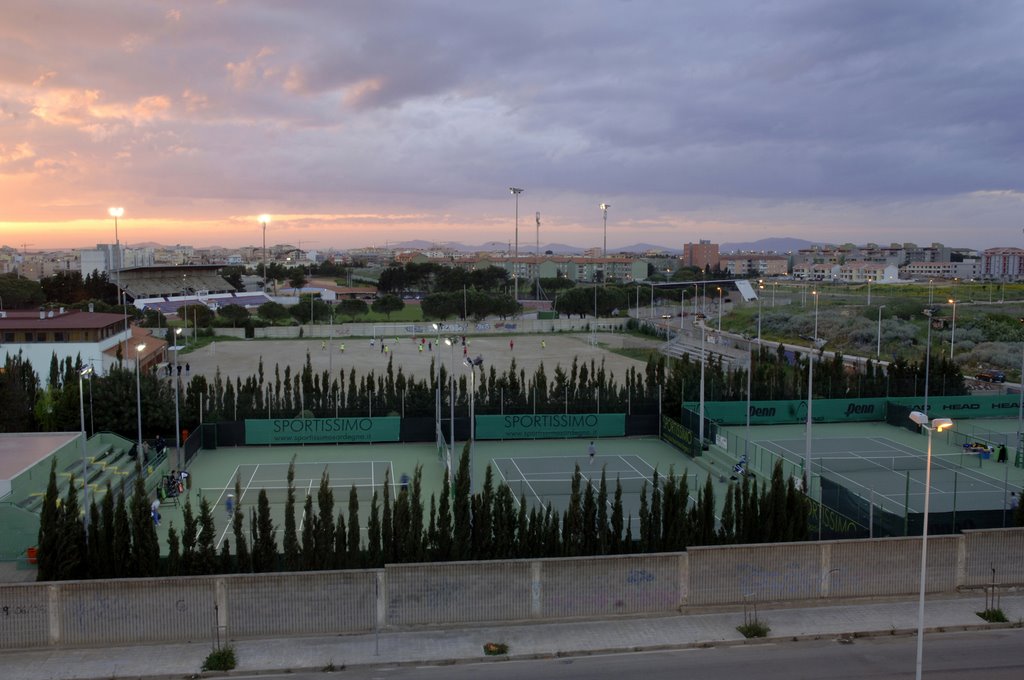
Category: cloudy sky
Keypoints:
(363, 122)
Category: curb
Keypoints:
(842, 638)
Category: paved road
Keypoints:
(989, 655)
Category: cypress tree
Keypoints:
(462, 526)
(552, 534)
(354, 539)
(205, 561)
(416, 548)
(173, 552)
(588, 537)
(725, 531)
(522, 540)
(340, 549)
(737, 514)
(225, 563)
(373, 555)
(402, 551)
(504, 523)
(309, 561)
(122, 541)
(483, 519)
(146, 548)
(387, 528)
(602, 514)
(670, 519)
(264, 551)
(572, 536)
(706, 511)
(798, 510)
(71, 559)
(628, 540)
(615, 537)
(94, 546)
(654, 525)
(773, 513)
(48, 539)
(243, 563)
(323, 539)
(535, 546)
(1018, 515)
(443, 541)
(645, 522)
(290, 545)
(189, 532)
(431, 537)
(105, 535)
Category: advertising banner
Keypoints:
(551, 426)
(322, 430)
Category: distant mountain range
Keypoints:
(775, 245)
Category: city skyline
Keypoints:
(356, 126)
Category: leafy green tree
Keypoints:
(196, 315)
(236, 315)
(274, 312)
(387, 305)
(20, 293)
(352, 308)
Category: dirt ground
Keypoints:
(240, 358)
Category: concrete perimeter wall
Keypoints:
(193, 609)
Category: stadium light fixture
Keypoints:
(138, 389)
(515, 191)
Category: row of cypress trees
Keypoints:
(120, 540)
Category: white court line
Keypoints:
(630, 466)
(532, 490)
(309, 492)
(230, 524)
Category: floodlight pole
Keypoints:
(936, 425)
(927, 357)
(604, 250)
(515, 191)
(700, 414)
(810, 396)
(177, 416)
(138, 390)
(82, 372)
(952, 332)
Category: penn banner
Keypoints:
(551, 426)
(793, 411)
(322, 430)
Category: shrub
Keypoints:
(222, 659)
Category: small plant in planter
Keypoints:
(754, 629)
(993, 616)
(221, 659)
(495, 648)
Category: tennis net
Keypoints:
(943, 461)
(278, 495)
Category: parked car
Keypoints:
(991, 376)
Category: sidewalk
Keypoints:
(523, 640)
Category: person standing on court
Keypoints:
(229, 505)
(591, 452)
(1002, 453)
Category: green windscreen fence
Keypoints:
(848, 410)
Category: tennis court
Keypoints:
(892, 473)
(366, 476)
(543, 480)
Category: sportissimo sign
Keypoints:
(551, 426)
(322, 430)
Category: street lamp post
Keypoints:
(177, 417)
(760, 287)
(138, 389)
(515, 191)
(937, 425)
(952, 332)
(878, 349)
(82, 373)
(451, 387)
(472, 416)
(869, 291)
(264, 221)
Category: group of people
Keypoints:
(980, 448)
